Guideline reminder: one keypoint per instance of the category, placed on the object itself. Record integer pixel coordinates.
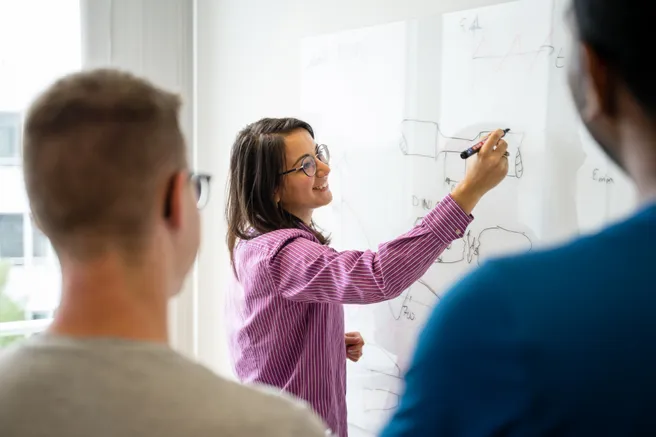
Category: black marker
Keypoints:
(476, 147)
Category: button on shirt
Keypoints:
(285, 315)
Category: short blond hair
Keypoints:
(100, 149)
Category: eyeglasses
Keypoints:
(309, 162)
(201, 182)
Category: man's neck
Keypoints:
(640, 162)
(638, 136)
(106, 298)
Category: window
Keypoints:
(21, 242)
(40, 243)
(40, 40)
(10, 129)
(11, 237)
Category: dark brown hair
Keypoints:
(256, 164)
(615, 31)
(100, 147)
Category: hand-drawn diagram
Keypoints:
(416, 302)
(450, 75)
(386, 405)
(419, 293)
(472, 24)
(421, 138)
(516, 50)
(470, 246)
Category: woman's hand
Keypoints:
(354, 344)
(484, 172)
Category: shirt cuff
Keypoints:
(447, 220)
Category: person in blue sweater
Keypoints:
(562, 341)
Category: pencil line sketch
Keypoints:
(360, 430)
(421, 138)
(384, 405)
(468, 248)
(410, 299)
(517, 48)
(388, 357)
(378, 391)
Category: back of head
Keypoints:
(618, 31)
(100, 147)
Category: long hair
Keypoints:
(256, 163)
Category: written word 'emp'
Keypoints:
(603, 179)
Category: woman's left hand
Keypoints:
(354, 344)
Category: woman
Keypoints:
(285, 305)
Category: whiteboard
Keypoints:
(396, 103)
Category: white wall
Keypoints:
(21, 72)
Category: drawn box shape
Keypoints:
(454, 253)
(419, 138)
(497, 241)
(515, 162)
(451, 166)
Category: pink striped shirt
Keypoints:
(285, 313)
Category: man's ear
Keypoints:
(175, 198)
(600, 85)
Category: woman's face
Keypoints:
(306, 188)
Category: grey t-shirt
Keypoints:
(57, 386)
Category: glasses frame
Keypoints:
(319, 147)
(201, 183)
